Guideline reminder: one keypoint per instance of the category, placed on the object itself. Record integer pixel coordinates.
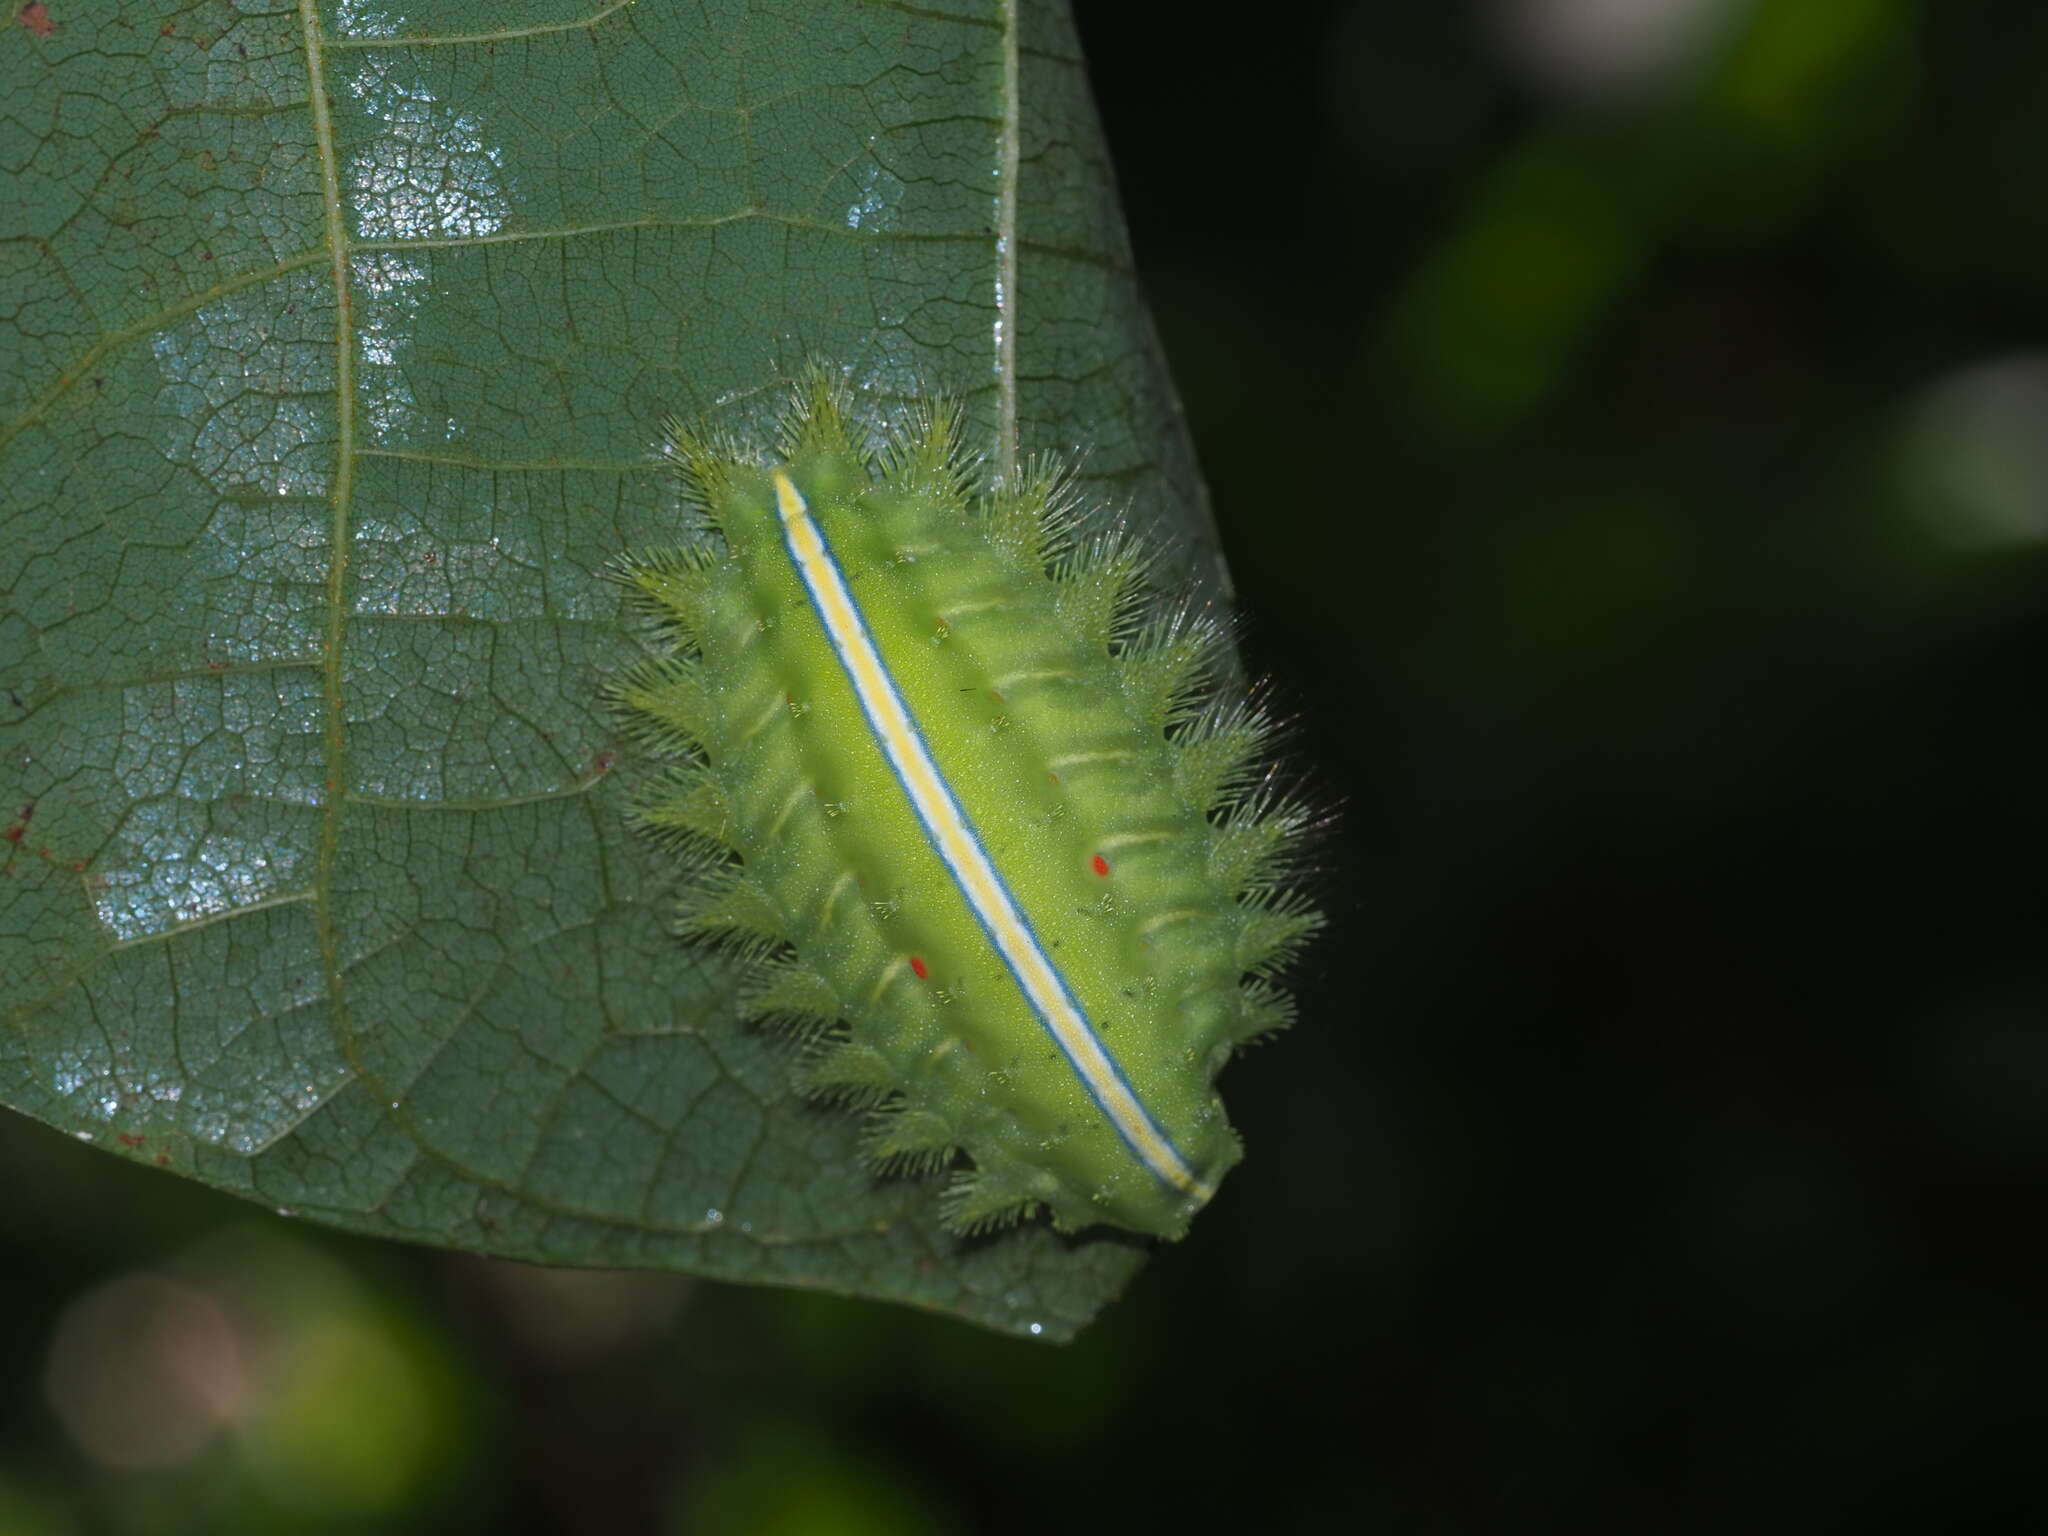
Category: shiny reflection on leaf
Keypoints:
(246, 388)
(431, 175)
(355, 19)
(184, 871)
(391, 290)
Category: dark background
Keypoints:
(1633, 455)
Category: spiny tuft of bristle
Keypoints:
(1101, 589)
(1257, 842)
(792, 997)
(977, 1203)
(1035, 518)
(1171, 664)
(924, 455)
(1271, 929)
(667, 587)
(1264, 1010)
(1220, 752)
(847, 1072)
(686, 811)
(734, 911)
(665, 704)
(706, 460)
(815, 421)
(901, 1141)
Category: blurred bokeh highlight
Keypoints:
(1628, 420)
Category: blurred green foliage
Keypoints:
(1634, 479)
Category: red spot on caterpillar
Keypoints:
(1099, 864)
(917, 964)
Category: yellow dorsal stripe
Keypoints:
(959, 848)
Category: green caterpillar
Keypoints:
(976, 806)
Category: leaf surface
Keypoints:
(322, 412)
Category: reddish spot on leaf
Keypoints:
(163, 1159)
(14, 833)
(917, 964)
(601, 764)
(1099, 864)
(36, 17)
(131, 1142)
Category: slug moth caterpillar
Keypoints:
(978, 807)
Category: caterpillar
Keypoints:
(976, 805)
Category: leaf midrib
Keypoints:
(335, 726)
(1009, 153)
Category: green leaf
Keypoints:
(321, 414)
